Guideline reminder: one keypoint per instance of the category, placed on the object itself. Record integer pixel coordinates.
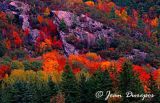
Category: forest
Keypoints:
(75, 51)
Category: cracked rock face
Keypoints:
(24, 9)
(21, 6)
(84, 29)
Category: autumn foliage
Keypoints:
(38, 58)
(4, 71)
(53, 61)
(156, 76)
(122, 13)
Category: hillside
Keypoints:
(65, 51)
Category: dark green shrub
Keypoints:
(27, 65)
(3, 50)
(17, 53)
(63, 26)
(112, 14)
(36, 65)
(100, 44)
(149, 58)
(106, 54)
(140, 23)
(17, 65)
(140, 45)
(114, 43)
(1, 38)
(125, 44)
(6, 61)
(81, 44)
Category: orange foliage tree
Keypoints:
(53, 61)
(106, 6)
(8, 44)
(90, 61)
(154, 22)
(89, 3)
(40, 19)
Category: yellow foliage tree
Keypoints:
(21, 75)
(47, 12)
(124, 15)
(56, 77)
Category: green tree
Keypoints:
(53, 87)
(140, 23)
(101, 44)
(27, 92)
(69, 86)
(19, 92)
(128, 3)
(17, 65)
(63, 26)
(5, 95)
(27, 65)
(129, 82)
(36, 65)
(85, 86)
(112, 14)
(42, 93)
(100, 81)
